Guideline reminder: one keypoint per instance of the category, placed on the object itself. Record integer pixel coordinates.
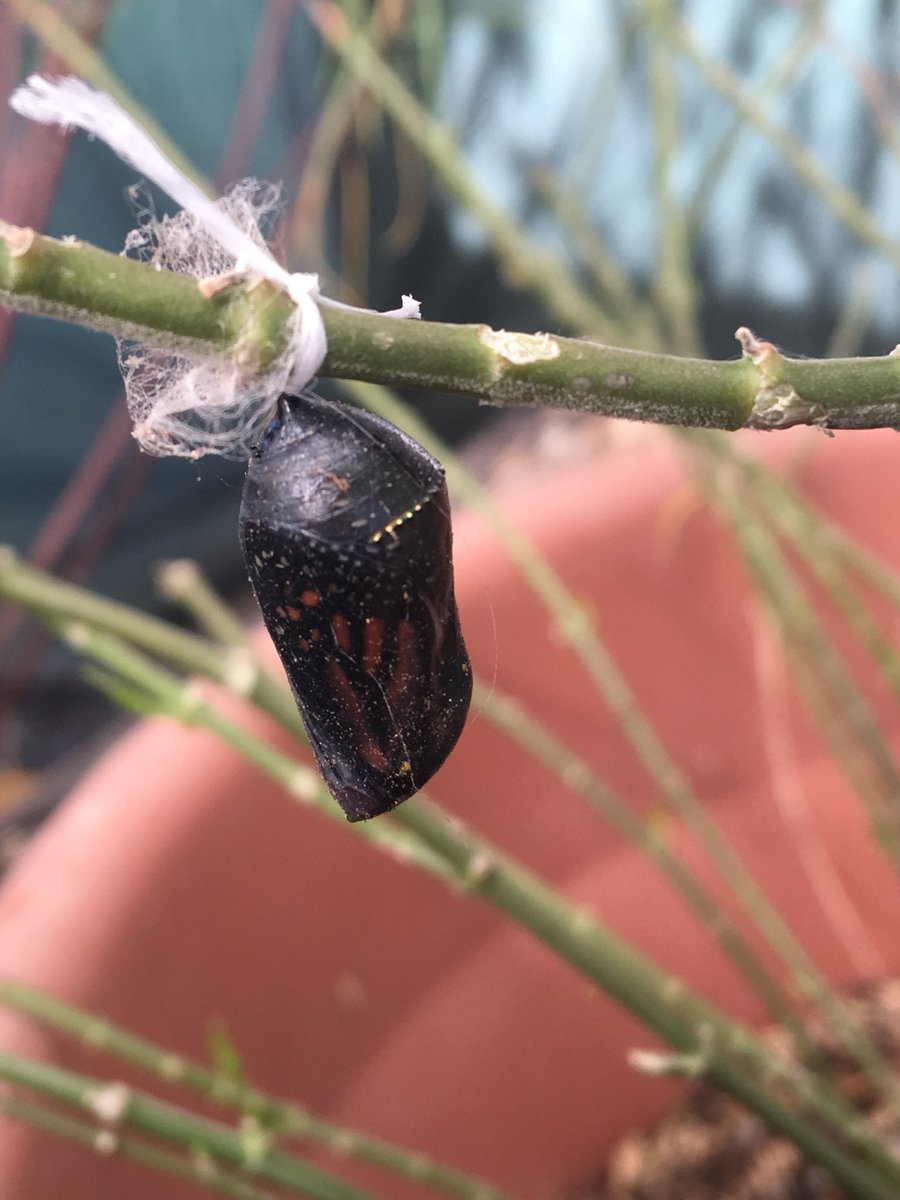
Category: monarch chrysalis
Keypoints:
(345, 529)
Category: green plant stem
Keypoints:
(810, 650)
(105, 291)
(45, 595)
(867, 565)
(334, 124)
(235, 670)
(80, 615)
(279, 1117)
(630, 315)
(855, 316)
(27, 585)
(850, 728)
(822, 549)
(874, 91)
(779, 77)
(823, 545)
(196, 1169)
(735, 1061)
(182, 582)
(784, 398)
(78, 282)
(578, 632)
(524, 264)
(674, 285)
(167, 694)
(510, 716)
(800, 161)
(732, 1058)
(135, 681)
(175, 1125)
(535, 739)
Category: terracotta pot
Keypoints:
(176, 886)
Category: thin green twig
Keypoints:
(823, 549)
(674, 285)
(632, 318)
(774, 81)
(182, 582)
(524, 264)
(536, 740)
(733, 1059)
(118, 1107)
(867, 565)
(811, 652)
(686, 1023)
(850, 729)
(235, 669)
(576, 629)
(855, 315)
(168, 696)
(798, 159)
(195, 1168)
(135, 680)
(280, 1118)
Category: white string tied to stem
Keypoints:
(193, 404)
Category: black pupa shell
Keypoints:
(345, 529)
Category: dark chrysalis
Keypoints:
(345, 529)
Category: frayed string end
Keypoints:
(201, 405)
